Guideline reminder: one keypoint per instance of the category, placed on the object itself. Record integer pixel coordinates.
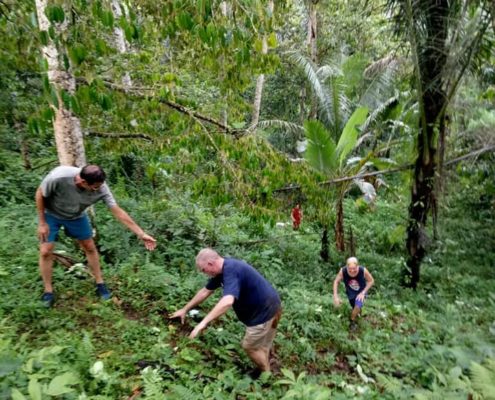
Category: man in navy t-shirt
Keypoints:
(255, 302)
(357, 281)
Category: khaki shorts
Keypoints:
(262, 335)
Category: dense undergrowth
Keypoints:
(436, 342)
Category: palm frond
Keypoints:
(325, 101)
(381, 83)
(288, 127)
(380, 66)
(327, 71)
(379, 111)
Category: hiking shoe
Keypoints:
(48, 299)
(255, 373)
(103, 292)
(353, 326)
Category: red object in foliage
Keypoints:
(296, 215)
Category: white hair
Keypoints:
(352, 260)
(206, 255)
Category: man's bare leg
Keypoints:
(260, 358)
(89, 247)
(46, 265)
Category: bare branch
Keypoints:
(178, 107)
(119, 135)
(389, 171)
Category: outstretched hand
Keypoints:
(149, 241)
(361, 296)
(336, 301)
(196, 331)
(179, 314)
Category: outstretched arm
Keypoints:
(220, 308)
(198, 298)
(369, 282)
(125, 219)
(336, 299)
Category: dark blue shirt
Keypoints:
(354, 285)
(256, 301)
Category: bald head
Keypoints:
(206, 255)
(209, 262)
(92, 174)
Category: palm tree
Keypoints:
(445, 36)
(332, 138)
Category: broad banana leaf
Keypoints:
(349, 136)
(320, 152)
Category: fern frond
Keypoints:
(483, 378)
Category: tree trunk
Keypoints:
(432, 58)
(261, 78)
(67, 127)
(260, 81)
(120, 42)
(25, 154)
(339, 226)
(325, 245)
(313, 49)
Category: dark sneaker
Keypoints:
(103, 292)
(255, 373)
(48, 299)
(353, 326)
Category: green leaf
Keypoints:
(106, 102)
(272, 40)
(44, 38)
(289, 374)
(184, 21)
(348, 138)
(77, 53)
(320, 152)
(106, 18)
(9, 365)
(61, 384)
(101, 47)
(16, 395)
(55, 14)
(34, 389)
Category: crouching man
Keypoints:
(255, 302)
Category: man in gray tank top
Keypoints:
(61, 200)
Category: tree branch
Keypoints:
(119, 135)
(474, 153)
(454, 161)
(178, 107)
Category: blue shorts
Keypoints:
(356, 303)
(79, 228)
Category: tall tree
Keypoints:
(120, 42)
(443, 46)
(66, 125)
(311, 41)
(260, 81)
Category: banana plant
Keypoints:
(333, 160)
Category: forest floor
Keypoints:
(432, 342)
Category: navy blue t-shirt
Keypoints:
(256, 301)
(354, 285)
